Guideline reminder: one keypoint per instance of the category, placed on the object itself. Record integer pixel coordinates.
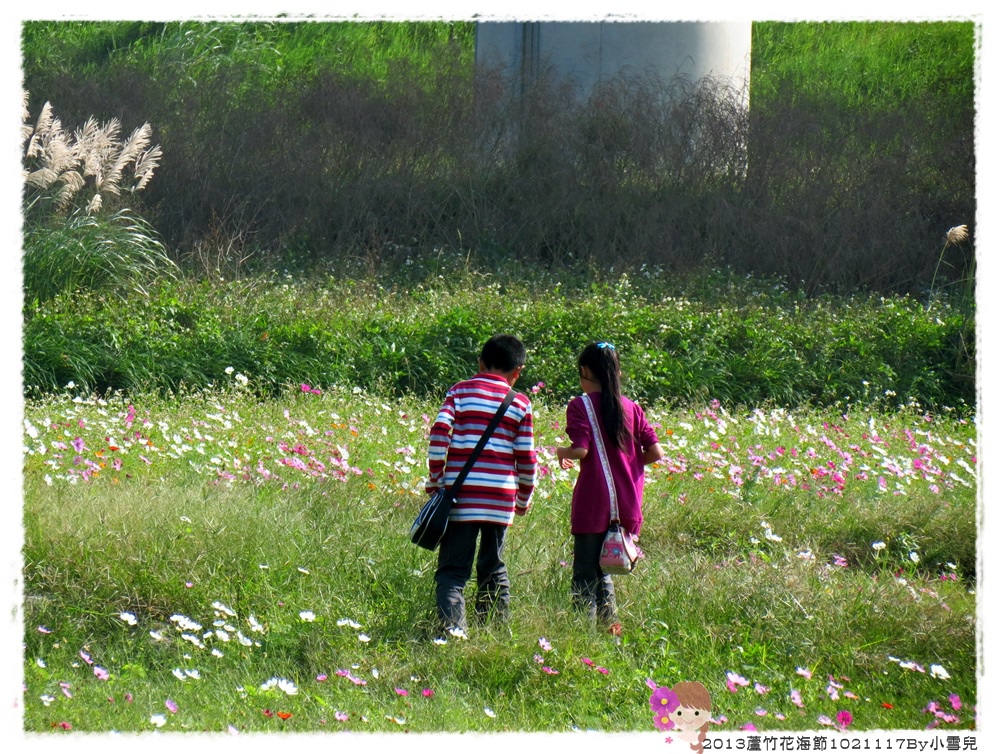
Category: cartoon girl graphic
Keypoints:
(686, 708)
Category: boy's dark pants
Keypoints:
(593, 591)
(457, 552)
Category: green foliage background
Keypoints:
(311, 143)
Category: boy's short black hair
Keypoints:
(503, 353)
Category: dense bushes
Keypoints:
(744, 344)
(298, 142)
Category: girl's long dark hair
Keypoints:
(602, 360)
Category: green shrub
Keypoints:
(743, 345)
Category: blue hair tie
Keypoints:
(603, 344)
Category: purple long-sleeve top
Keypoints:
(591, 507)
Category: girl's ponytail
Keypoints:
(602, 360)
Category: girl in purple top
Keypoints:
(631, 444)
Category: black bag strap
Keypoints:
(494, 422)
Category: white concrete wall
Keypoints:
(592, 51)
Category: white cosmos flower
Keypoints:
(348, 622)
(243, 640)
(229, 370)
(216, 652)
(222, 634)
(914, 557)
(364, 638)
(937, 671)
(128, 618)
(307, 615)
(179, 674)
(157, 636)
(158, 720)
(489, 712)
(287, 686)
(223, 608)
(47, 699)
(878, 546)
(193, 674)
(40, 662)
(185, 623)
(254, 625)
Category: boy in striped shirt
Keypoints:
(498, 487)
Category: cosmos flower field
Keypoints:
(216, 562)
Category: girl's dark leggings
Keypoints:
(593, 591)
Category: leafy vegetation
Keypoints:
(817, 561)
(740, 340)
(320, 142)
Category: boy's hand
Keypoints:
(520, 511)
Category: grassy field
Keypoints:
(217, 562)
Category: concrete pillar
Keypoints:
(592, 51)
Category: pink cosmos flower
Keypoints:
(796, 698)
(65, 726)
(956, 702)
(428, 693)
(587, 661)
(760, 688)
(78, 444)
(602, 670)
(86, 657)
(321, 677)
(549, 670)
(101, 673)
(171, 705)
(662, 721)
(804, 672)
(341, 716)
(824, 720)
(844, 718)
(539, 659)
(544, 644)
(760, 712)
(748, 726)
(402, 692)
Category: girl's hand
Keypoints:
(566, 463)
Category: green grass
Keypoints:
(865, 64)
(178, 504)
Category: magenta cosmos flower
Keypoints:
(663, 701)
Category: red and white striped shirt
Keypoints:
(504, 474)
